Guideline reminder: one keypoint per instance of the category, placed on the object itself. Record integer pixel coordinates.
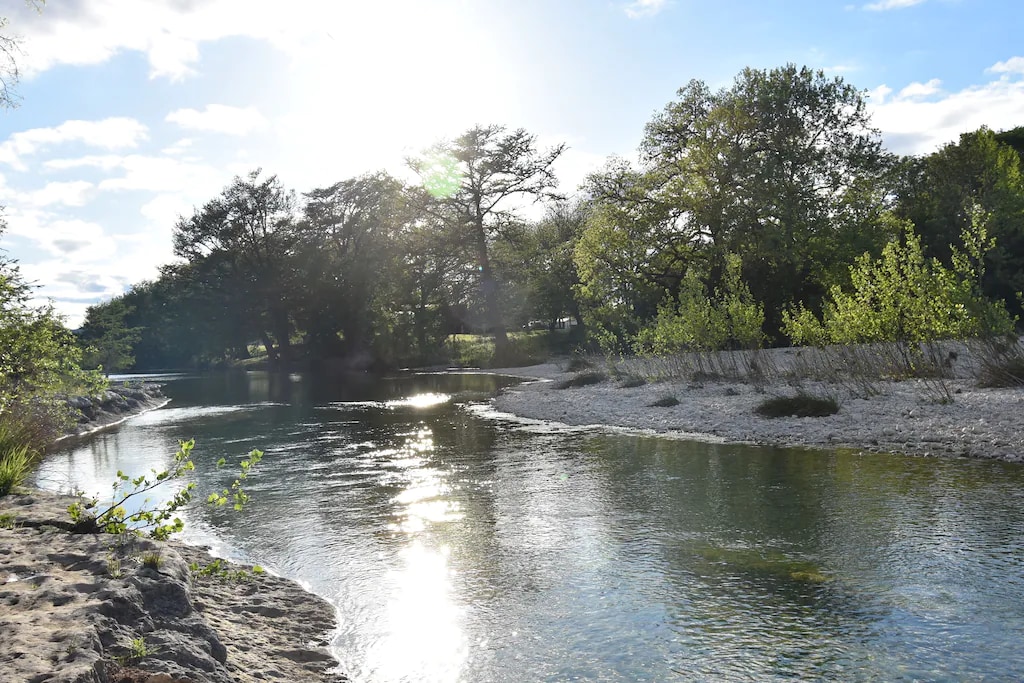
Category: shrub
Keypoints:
(665, 402)
(801, 405)
(1000, 362)
(583, 379)
(15, 465)
(633, 381)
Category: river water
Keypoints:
(461, 545)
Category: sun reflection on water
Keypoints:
(420, 400)
(423, 635)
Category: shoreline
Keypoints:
(86, 607)
(979, 423)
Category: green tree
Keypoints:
(782, 169)
(938, 194)
(109, 341)
(905, 297)
(473, 184)
(346, 248)
(245, 239)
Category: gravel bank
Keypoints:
(904, 418)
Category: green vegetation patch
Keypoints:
(801, 405)
(665, 402)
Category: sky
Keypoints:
(135, 112)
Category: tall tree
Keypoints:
(783, 168)
(247, 235)
(940, 192)
(474, 184)
(346, 257)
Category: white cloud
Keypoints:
(110, 133)
(220, 118)
(73, 193)
(644, 8)
(911, 124)
(884, 5)
(1013, 65)
(919, 90)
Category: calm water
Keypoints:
(461, 546)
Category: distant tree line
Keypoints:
(749, 207)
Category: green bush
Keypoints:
(695, 321)
(801, 405)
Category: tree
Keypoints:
(940, 191)
(782, 169)
(245, 237)
(346, 260)
(473, 183)
(109, 341)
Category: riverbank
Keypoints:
(87, 608)
(116, 404)
(903, 417)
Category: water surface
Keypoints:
(459, 545)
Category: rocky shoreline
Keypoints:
(95, 608)
(117, 403)
(904, 417)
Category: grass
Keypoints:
(801, 405)
(583, 379)
(152, 560)
(665, 402)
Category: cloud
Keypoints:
(918, 90)
(921, 117)
(110, 133)
(1013, 65)
(885, 5)
(220, 118)
(644, 8)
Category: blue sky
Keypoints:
(135, 111)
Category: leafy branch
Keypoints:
(159, 521)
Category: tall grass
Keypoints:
(26, 429)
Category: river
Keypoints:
(462, 545)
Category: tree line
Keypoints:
(749, 209)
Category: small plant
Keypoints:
(15, 465)
(114, 567)
(159, 521)
(665, 402)
(801, 405)
(152, 560)
(583, 379)
(7, 521)
(220, 570)
(633, 381)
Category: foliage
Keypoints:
(906, 298)
(665, 402)
(697, 322)
(158, 521)
(152, 560)
(221, 570)
(782, 169)
(1001, 361)
(470, 186)
(107, 340)
(941, 192)
(15, 466)
(801, 405)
